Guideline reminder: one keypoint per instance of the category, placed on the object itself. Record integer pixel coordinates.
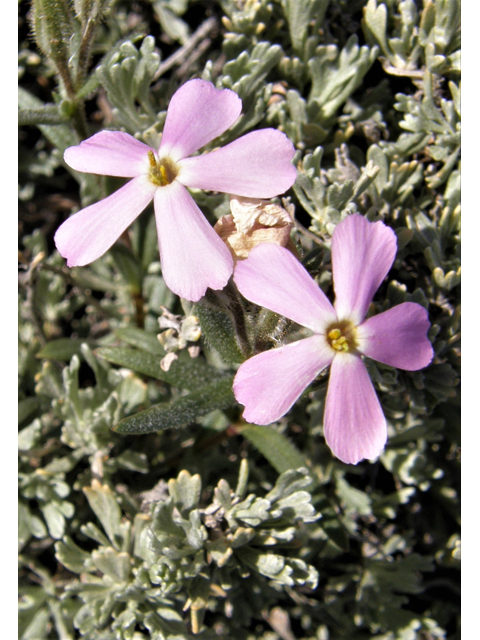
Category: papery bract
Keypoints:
(252, 222)
(193, 257)
(269, 383)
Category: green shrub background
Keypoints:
(201, 525)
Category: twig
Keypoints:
(28, 280)
(202, 47)
(182, 54)
(393, 71)
(308, 233)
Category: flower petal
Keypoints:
(354, 424)
(362, 255)
(197, 114)
(257, 165)
(273, 278)
(397, 337)
(269, 384)
(110, 153)
(86, 235)
(193, 256)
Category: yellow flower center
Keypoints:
(342, 336)
(161, 172)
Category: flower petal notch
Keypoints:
(193, 256)
(269, 383)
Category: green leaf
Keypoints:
(54, 519)
(219, 333)
(48, 114)
(141, 339)
(144, 239)
(126, 74)
(62, 349)
(181, 412)
(337, 74)
(289, 483)
(60, 136)
(252, 511)
(133, 461)
(185, 490)
(353, 500)
(106, 508)
(299, 14)
(71, 555)
(29, 524)
(277, 449)
(116, 565)
(171, 24)
(184, 373)
(128, 266)
(287, 571)
(375, 24)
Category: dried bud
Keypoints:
(252, 222)
(166, 361)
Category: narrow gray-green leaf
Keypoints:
(277, 449)
(48, 114)
(128, 266)
(219, 333)
(180, 412)
(140, 339)
(61, 349)
(185, 373)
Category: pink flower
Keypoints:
(193, 257)
(269, 383)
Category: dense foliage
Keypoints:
(148, 507)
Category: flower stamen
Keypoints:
(161, 172)
(341, 336)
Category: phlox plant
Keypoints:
(193, 257)
(239, 326)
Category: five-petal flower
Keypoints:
(269, 383)
(193, 257)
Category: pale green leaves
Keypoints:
(435, 124)
(336, 74)
(268, 521)
(126, 73)
(181, 545)
(328, 197)
(169, 12)
(246, 76)
(429, 38)
(50, 490)
(304, 17)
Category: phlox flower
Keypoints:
(269, 383)
(192, 255)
